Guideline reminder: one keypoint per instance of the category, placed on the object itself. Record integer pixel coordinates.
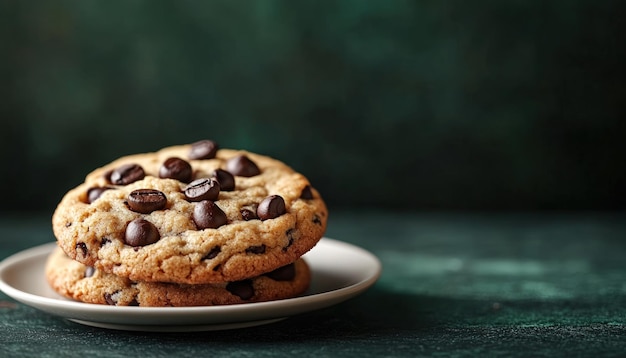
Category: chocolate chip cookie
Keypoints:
(190, 214)
(84, 283)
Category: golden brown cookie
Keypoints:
(226, 215)
(84, 283)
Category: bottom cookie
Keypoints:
(82, 283)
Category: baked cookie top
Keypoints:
(190, 214)
(84, 283)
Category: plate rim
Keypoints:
(258, 311)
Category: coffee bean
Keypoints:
(202, 189)
(260, 249)
(213, 253)
(140, 232)
(242, 289)
(146, 200)
(226, 179)
(94, 193)
(207, 215)
(89, 271)
(307, 193)
(126, 174)
(242, 166)
(204, 149)
(285, 273)
(271, 207)
(176, 168)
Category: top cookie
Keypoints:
(190, 214)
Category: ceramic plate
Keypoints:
(340, 271)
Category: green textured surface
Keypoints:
(482, 105)
(452, 285)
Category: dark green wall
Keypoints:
(480, 105)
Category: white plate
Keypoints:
(340, 271)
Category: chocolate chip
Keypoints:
(260, 249)
(271, 207)
(81, 248)
(291, 236)
(104, 241)
(94, 193)
(207, 215)
(242, 289)
(204, 149)
(306, 193)
(126, 174)
(111, 299)
(317, 220)
(68, 224)
(248, 214)
(89, 271)
(242, 166)
(107, 175)
(285, 273)
(213, 253)
(134, 302)
(141, 232)
(226, 179)
(146, 200)
(202, 189)
(176, 168)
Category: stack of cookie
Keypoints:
(188, 225)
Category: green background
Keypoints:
(407, 105)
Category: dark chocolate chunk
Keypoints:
(141, 232)
(126, 174)
(146, 200)
(226, 179)
(306, 193)
(104, 241)
(290, 236)
(242, 289)
(285, 273)
(213, 253)
(110, 300)
(204, 149)
(89, 271)
(260, 249)
(107, 175)
(207, 215)
(202, 189)
(248, 214)
(242, 166)
(134, 302)
(176, 168)
(271, 207)
(81, 249)
(94, 193)
(317, 220)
